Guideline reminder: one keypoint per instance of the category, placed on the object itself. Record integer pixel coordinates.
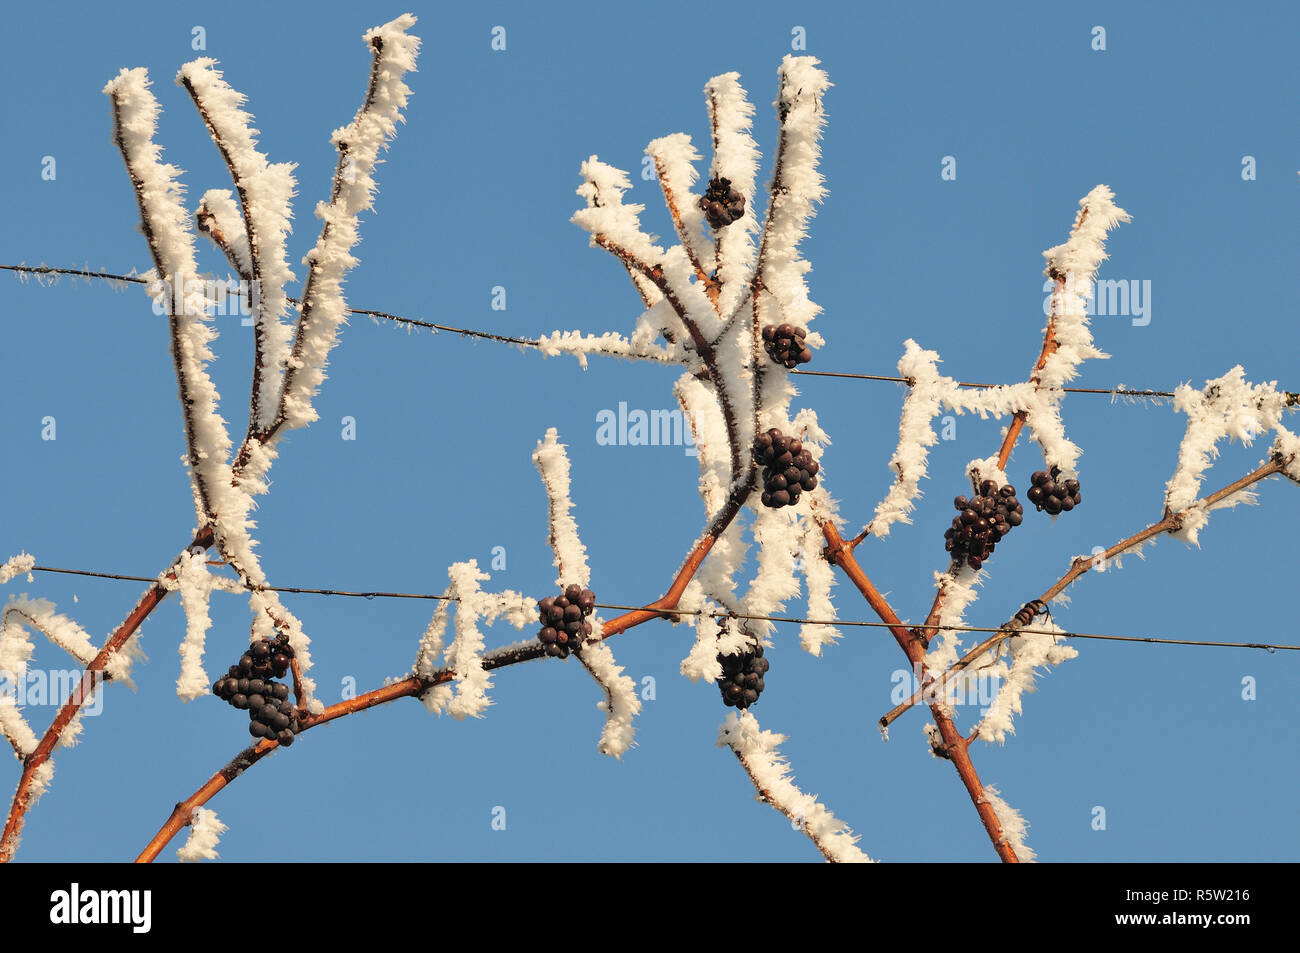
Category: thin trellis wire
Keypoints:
(377, 594)
(1125, 392)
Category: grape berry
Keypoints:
(788, 469)
(251, 686)
(1049, 492)
(784, 345)
(563, 628)
(981, 522)
(721, 204)
(741, 681)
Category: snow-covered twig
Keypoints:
(611, 344)
(795, 191)
(205, 832)
(1029, 652)
(466, 695)
(759, 752)
(674, 159)
(323, 308)
(166, 227)
(1227, 407)
(569, 553)
(735, 158)
(1014, 826)
(191, 578)
(218, 218)
(622, 703)
(1067, 339)
(265, 192)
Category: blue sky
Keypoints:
(476, 193)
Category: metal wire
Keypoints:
(529, 342)
(377, 594)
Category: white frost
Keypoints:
(1014, 827)
(205, 832)
(621, 704)
(1029, 653)
(570, 555)
(760, 754)
(16, 566)
(1227, 407)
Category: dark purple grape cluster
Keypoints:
(788, 469)
(563, 628)
(742, 676)
(721, 204)
(251, 686)
(784, 345)
(1049, 492)
(981, 522)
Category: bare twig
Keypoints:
(913, 646)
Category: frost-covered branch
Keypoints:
(759, 752)
(622, 703)
(1233, 494)
(912, 642)
(466, 694)
(796, 189)
(674, 159)
(323, 308)
(265, 193)
(570, 555)
(205, 832)
(1014, 826)
(1067, 338)
(218, 218)
(1067, 342)
(113, 660)
(1227, 407)
(165, 223)
(1029, 652)
(735, 158)
(191, 578)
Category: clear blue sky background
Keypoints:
(477, 192)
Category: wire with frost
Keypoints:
(611, 344)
